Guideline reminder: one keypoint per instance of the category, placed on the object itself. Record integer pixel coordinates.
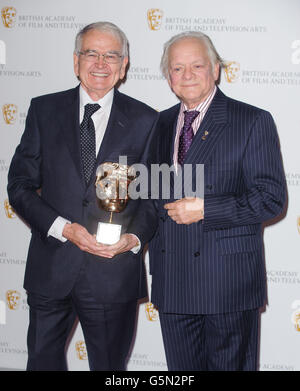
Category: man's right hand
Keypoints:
(78, 235)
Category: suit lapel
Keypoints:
(210, 130)
(116, 127)
(168, 132)
(68, 119)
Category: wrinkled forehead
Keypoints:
(95, 36)
(187, 47)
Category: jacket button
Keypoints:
(163, 250)
(85, 203)
(197, 254)
(208, 187)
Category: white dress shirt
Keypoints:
(202, 108)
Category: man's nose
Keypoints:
(187, 73)
(101, 60)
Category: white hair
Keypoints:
(103, 27)
(211, 50)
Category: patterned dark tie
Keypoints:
(88, 140)
(186, 135)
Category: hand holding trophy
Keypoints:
(112, 182)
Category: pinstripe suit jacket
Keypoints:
(217, 265)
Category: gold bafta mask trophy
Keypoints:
(112, 184)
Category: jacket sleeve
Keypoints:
(25, 178)
(264, 179)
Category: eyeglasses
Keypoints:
(93, 56)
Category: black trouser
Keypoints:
(108, 329)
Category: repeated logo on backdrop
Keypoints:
(9, 111)
(157, 20)
(13, 299)
(10, 213)
(11, 19)
(231, 71)
(81, 350)
(211, 25)
(8, 15)
(235, 73)
(154, 17)
(151, 312)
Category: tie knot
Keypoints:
(90, 109)
(189, 117)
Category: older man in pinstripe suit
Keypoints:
(206, 260)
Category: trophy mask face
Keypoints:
(112, 184)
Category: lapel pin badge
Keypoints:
(205, 134)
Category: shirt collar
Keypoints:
(203, 106)
(105, 102)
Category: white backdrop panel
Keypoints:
(261, 43)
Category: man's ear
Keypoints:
(123, 67)
(76, 64)
(216, 71)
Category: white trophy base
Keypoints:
(108, 233)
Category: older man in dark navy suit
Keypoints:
(206, 260)
(52, 186)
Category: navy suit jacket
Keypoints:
(217, 265)
(46, 180)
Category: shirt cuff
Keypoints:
(57, 227)
(137, 248)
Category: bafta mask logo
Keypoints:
(154, 17)
(10, 112)
(151, 312)
(296, 315)
(298, 224)
(8, 15)
(81, 350)
(232, 70)
(10, 213)
(13, 299)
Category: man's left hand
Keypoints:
(126, 243)
(186, 211)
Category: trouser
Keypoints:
(107, 328)
(224, 342)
